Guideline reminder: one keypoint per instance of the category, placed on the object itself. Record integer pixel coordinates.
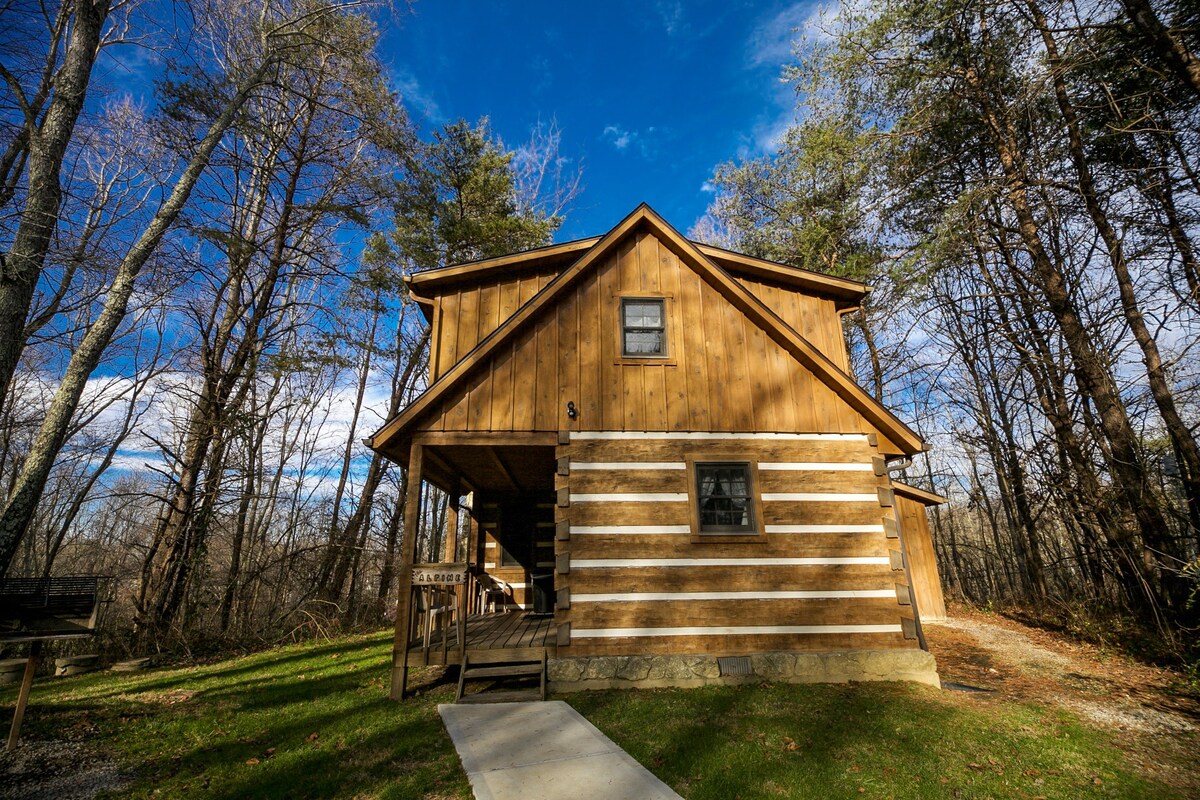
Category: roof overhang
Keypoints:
(920, 495)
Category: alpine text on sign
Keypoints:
(439, 574)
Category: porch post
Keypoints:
(473, 559)
(452, 526)
(450, 556)
(408, 551)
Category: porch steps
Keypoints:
(532, 668)
(514, 670)
(506, 696)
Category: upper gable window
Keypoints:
(643, 327)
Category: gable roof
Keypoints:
(434, 281)
(847, 293)
(469, 270)
(741, 298)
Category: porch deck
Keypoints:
(506, 636)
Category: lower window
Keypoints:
(724, 499)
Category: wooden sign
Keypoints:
(439, 574)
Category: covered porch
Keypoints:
(475, 578)
(489, 638)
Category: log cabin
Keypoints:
(672, 477)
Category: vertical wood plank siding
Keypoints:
(722, 372)
(469, 313)
(640, 583)
(922, 561)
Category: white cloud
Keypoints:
(618, 137)
(769, 134)
(318, 419)
(708, 187)
(771, 41)
(644, 142)
(771, 47)
(415, 97)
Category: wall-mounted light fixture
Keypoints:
(572, 412)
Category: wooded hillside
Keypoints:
(202, 307)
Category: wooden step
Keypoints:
(506, 696)
(514, 668)
(528, 669)
(506, 655)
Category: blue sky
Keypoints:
(650, 95)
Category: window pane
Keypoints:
(643, 314)
(724, 512)
(643, 327)
(724, 497)
(644, 342)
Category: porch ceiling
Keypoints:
(494, 468)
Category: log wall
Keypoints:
(632, 578)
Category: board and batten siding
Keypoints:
(464, 314)
(922, 559)
(814, 318)
(464, 317)
(722, 373)
(631, 579)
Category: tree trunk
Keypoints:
(1092, 377)
(860, 322)
(50, 436)
(1181, 437)
(340, 547)
(388, 573)
(364, 374)
(1169, 47)
(47, 147)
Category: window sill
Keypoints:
(645, 361)
(750, 537)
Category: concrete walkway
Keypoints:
(544, 751)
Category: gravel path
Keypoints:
(1103, 691)
(1149, 717)
(41, 770)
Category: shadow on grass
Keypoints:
(876, 740)
(182, 677)
(312, 722)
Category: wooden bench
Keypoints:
(48, 608)
(35, 610)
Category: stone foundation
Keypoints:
(655, 671)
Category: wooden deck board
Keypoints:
(490, 637)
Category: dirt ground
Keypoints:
(1150, 717)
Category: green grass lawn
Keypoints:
(303, 721)
(314, 721)
(862, 740)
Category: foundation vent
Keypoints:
(734, 665)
